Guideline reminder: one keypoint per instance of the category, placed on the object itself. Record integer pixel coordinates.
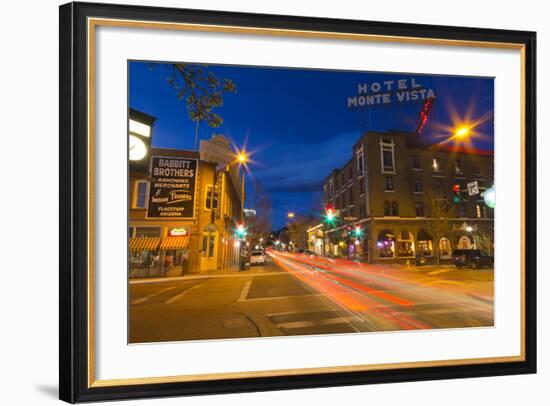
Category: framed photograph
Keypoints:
(258, 202)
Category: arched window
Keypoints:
(405, 244)
(424, 243)
(395, 209)
(464, 243)
(444, 248)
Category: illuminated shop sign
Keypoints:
(172, 194)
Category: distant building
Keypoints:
(408, 198)
(183, 211)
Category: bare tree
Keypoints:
(441, 213)
(297, 229)
(202, 90)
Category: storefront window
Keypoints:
(405, 244)
(424, 245)
(444, 248)
(386, 244)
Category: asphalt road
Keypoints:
(295, 295)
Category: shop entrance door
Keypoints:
(209, 251)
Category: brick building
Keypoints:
(203, 243)
(408, 198)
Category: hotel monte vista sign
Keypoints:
(387, 92)
(173, 183)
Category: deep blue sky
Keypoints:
(297, 121)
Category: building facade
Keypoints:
(408, 199)
(202, 240)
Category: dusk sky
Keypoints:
(297, 122)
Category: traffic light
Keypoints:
(457, 196)
(358, 231)
(330, 215)
(240, 231)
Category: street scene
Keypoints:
(268, 202)
(294, 294)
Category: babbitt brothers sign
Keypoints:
(172, 193)
(389, 91)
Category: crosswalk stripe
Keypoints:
(144, 299)
(314, 323)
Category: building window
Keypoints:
(425, 243)
(325, 193)
(416, 162)
(147, 232)
(363, 212)
(417, 185)
(477, 171)
(387, 155)
(444, 248)
(389, 184)
(462, 210)
(361, 187)
(420, 209)
(343, 179)
(350, 172)
(439, 189)
(481, 210)
(458, 166)
(395, 209)
(436, 164)
(351, 197)
(211, 198)
(405, 244)
(387, 208)
(140, 199)
(386, 244)
(330, 189)
(360, 162)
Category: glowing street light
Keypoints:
(290, 215)
(242, 157)
(462, 132)
(489, 197)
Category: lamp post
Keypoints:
(242, 159)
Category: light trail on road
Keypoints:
(385, 299)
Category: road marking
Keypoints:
(244, 291)
(181, 294)
(144, 299)
(315, 323)
(439, 271)
(281, 297)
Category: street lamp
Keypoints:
(290, 215)
(242, 157)
(462, 132)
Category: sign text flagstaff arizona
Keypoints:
(389, 91)
(172, 192)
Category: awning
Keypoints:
(175, 243)
(144, 243)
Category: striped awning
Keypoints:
(144, 243)
(175, 243)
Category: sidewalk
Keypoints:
(232, 271)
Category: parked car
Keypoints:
(257, 257)
(471, 257)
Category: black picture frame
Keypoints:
(74, 200)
